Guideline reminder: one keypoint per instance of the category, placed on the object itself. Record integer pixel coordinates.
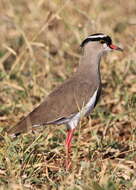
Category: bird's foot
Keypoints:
(68, 164)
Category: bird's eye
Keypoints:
(102, 41)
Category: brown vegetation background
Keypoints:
(39, 49)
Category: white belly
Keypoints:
(86, 109)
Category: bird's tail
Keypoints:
(23, 126)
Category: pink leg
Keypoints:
(68, 147)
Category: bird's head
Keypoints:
(99, 42)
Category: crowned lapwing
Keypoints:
(77, 96)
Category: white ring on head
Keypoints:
(98, 36)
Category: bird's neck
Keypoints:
(90, 64)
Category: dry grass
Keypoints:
(40, 49)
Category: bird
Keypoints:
(76, 97)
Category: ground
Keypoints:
(40, 48)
